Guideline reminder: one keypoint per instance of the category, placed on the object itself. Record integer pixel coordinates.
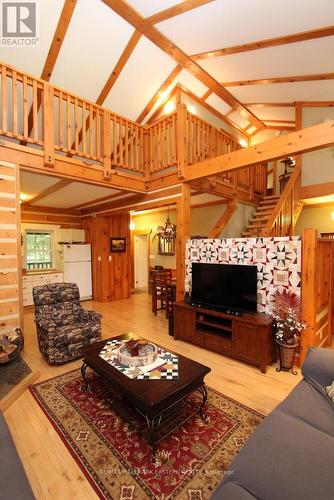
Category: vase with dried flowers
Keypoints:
(288, 327)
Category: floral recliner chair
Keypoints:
(63, 325)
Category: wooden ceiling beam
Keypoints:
(56, 44)
(58, 38)
(131, 45)
(280, 127)
(223, 220)
(133, 200)
(206, 94)
(214, 111)
(317, 104)
(281, 79)
(270, 104)
(287, 122)
(269, 42)
(147, 29)
(301, 141)
(50, 190)
(169, 80)
(176, 10)
(98, 200)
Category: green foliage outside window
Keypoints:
(39, 250)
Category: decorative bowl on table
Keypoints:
(147, 354)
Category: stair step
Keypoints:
(264, 209)
(271, 197)
(266, 204)
(261, 216)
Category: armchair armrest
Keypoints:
(318, 367)
(90, 316)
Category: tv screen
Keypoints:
(224, 287)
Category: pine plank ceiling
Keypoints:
(91, 56)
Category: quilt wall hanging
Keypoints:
(278, 262)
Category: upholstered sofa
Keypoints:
(291, 454)
(62, 324)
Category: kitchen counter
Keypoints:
(40, 271)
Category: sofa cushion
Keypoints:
(77, 333)
(63, 313)
(13, 480)
(318, 368)
(309, 405)
(285, 458)
(231, 491)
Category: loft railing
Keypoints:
(60, 123)
(283, 218)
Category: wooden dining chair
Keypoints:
(163, 295)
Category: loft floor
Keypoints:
(51, 470)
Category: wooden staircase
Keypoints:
(277, 215)
(261, 216)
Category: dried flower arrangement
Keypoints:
(287, 315)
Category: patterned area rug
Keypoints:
(108, 440)
(11, 374)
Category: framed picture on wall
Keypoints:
(117, 245)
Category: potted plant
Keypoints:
(288, 327)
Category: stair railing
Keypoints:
(283, 219)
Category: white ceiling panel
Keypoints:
(301, 58)
(218, 103)
(144, 73)
(93, 44)
(224, 23)
(238, 119)
(285, 92)
(273, 113)
(149, 7)
(74, 194)
(32, 184)
(32, 59)
(191, 83)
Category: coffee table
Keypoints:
(154, 399)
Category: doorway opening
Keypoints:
(140, 260)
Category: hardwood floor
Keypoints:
(51, 470)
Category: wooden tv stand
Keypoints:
(248, 337)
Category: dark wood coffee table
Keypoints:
(154, 399)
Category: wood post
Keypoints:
(48, 125)
(298, 158)
(106, 143)
(309, 244)
(223, 220)
(182, 234)
(181, 111)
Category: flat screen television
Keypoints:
(225, 287)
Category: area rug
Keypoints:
(107, 438)
(11, 374)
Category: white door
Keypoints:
(140, 258)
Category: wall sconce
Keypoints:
(243, 143)
(332, 214)
(132, 225)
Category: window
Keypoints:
(39, 249)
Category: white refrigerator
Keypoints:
(78, 268)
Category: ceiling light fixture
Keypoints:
(191, 108)
(169, 107)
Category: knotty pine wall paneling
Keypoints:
(111, 271)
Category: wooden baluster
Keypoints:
(68, 122)
(14, 102)
(106, 144)
(4, 97)
(137, 152)
(48, 125)
(91, 131)
(121, 143)
(35, 110)
(142, 150)
(98, 135)
(25, 107)
(181, 138)
(152, 157)
(76, 127)
(83, 129)
(114, 141)
(126, 143)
